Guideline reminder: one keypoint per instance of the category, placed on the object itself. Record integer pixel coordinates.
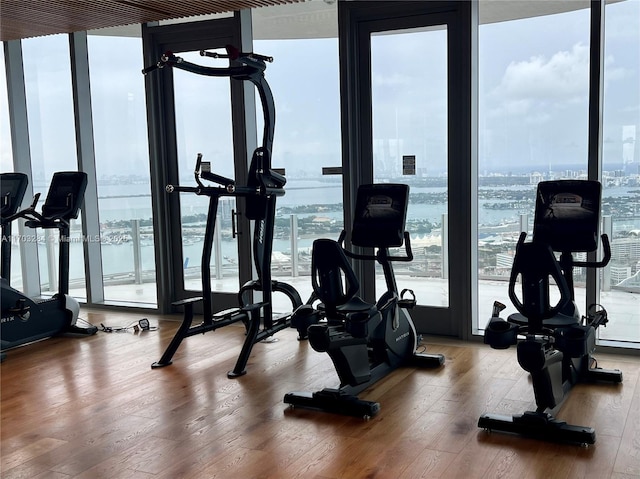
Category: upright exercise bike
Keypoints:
(263, 186)
(554, 342)
(12, 189)
(13, 186)
(365, 341)
(25, 319)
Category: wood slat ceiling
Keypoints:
(31, 18)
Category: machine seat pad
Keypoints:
(557, 321)
(354, 305)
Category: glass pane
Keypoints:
(203, 124)
(6, 155)
(6, 165)
(533, 121)
(307, 138)
(409, 101)
(122, 168)
(47, 73)
(621, 171)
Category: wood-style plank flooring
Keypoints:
(93, 408)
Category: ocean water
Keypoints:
(129, 202)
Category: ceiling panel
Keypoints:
(31, 18)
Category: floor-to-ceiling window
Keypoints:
(533, 114)
(6, 156)
(407, 116)
(410, 116)
(47, 78)
(204, 125)
(122, 166)
(305, 83)
(533, 126)
(6, 165)
(199, 110)
(620, 283)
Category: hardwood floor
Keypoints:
(93, 408)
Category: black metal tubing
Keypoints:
(186, 329)
(249, 71)
(252, 314)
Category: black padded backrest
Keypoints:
(65, 196)
(12, 189)
(261, 175)
(329, 265)
(537, 266)
(567, 216)
(380, 214)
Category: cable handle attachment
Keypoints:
(166, 57)
(234, 54)
(182, 189)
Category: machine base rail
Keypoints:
(423, 360)
(333, 401)
(539, 426)
(186, 330)
(74, 330)
(604, 375)
(255, 335)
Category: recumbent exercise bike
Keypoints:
(554, 343)
(24, 319)
(365, 341)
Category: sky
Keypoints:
(533, 99)
(534, 87)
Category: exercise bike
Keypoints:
(554, 343)
(13, 186)
(365, 341)
(25, 320)
(12, 189)
(263, 186)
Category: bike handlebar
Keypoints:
(30, 210)
(407, 249)
(597, 264)
(37, 220)
(36, 198)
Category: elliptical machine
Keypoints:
(264, 185)
(24, 319)
(365, 341)
(554, 343)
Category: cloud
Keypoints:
(563, 78)
(613, 72)
(393, 79)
